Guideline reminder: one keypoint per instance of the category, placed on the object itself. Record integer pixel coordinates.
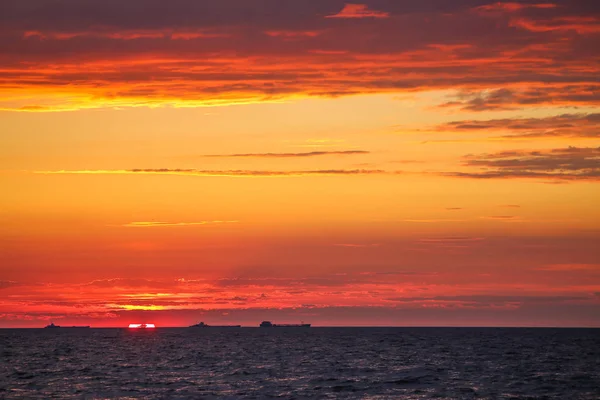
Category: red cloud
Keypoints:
(512, 6)
(359, 11)
(581, 25)
(536, 54)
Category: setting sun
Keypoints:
(141, 326)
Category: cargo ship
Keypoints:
(52, 326)
(269, 324)
(203, 325)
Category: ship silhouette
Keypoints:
(52, 326)
(269, 324)
(203, 325)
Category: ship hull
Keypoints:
(217, 326)
(287, 326)
(291, 326)
(269, 324)
(67, 327)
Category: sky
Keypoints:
(378, 163)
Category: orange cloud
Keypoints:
(293, 34)
(513, 6)
(221, 57)
(580, 25)
(359, 11)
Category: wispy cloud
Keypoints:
(490, 299)
(291, 155)
(570, 267)
(452, 239)
(511, 7)
(565, 125)
(432, 220)
(516, 98)
(155, 224)
(564, 164)
(357, 245)
(218, 173)
(7, 284)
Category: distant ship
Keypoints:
(52, 326)
(203, 325)
(269, 324)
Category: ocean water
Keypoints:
(361, 363)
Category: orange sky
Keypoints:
(338, 163)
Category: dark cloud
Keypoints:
(512, 99)
(127, 282)
(7, 284)
(565, 125)
(302, 284)
(490, 299)
(572, 163)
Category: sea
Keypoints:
(288, 363)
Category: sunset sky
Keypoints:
(382, 162)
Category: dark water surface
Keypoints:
(366, 363)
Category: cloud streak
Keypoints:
(218, 173)
(570, 267)
(156, 224)
(565, 125)
(502, 99)
(290, 155)
(491, 299)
